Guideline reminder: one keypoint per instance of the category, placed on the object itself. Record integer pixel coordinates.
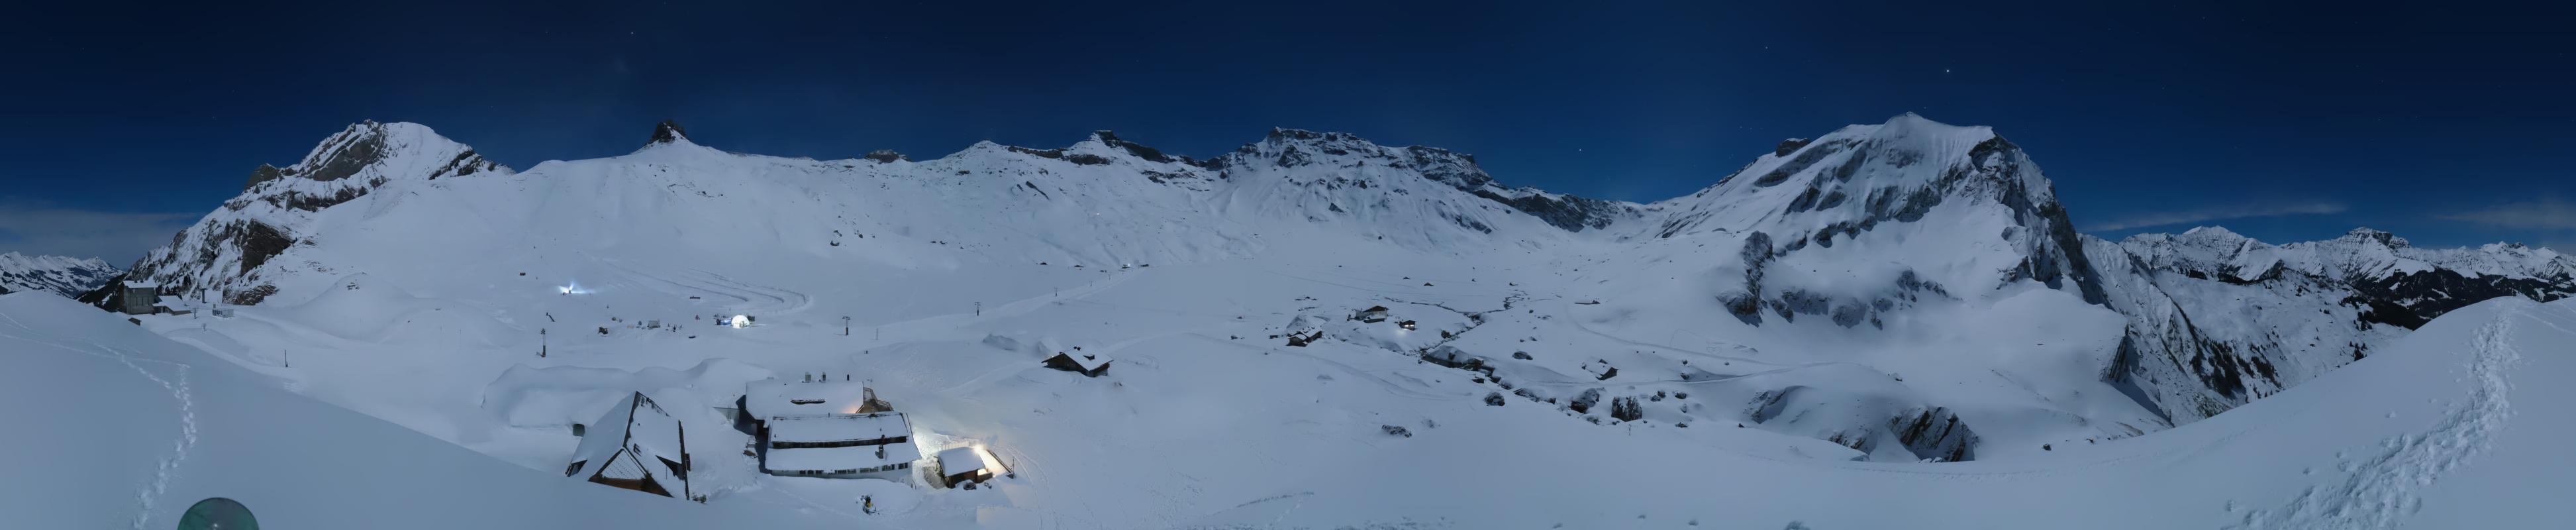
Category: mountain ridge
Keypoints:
(62, 275)
(1866, 230)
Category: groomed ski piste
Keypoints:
(394, 379)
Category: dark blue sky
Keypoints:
(2445, 122)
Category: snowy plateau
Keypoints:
(1892, 325)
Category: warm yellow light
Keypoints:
(990, 464)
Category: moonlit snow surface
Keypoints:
(1943, 368)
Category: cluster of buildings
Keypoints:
(814, 427)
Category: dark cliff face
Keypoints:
(1568, 212)
(2410, 300)
(668, 131)
(886, 156)
(1141, 151)
(1295, 148)
(2061, 261)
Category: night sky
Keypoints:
(2445, 122)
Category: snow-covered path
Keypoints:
(151, 491)
(2381, 486)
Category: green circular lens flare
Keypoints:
(218, 514)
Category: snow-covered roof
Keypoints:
(143, 285)
(637, 423)
(774, 398)
(842, 458)
(1088, 361)
(956, 460)
(840, 427)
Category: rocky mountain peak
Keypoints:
(342, 155)
(1283, 135)
(1110, 139)
(1846, 185)
(883, 156)
(2217, 232)
(222, 251)
(2369, 234)
(361, 157)
(1297, 147)
(1789, 146)
(669, 131)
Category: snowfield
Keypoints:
(1890, 325)
(2452, 427)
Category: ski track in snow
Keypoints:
(149, 495)
(747, 298)
(2379, 489)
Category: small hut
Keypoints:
(636, 446)
(1372, 315)
(1087, 364)
(139, 298)
(960, 465)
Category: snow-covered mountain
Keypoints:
(2248, 319)
(2402, 284)
(60, 275)
(1891, 293)
(1907, 290)
(222, 253)
(1919, 209)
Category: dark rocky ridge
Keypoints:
(1457, 170)
(2410, 300)
(668, 131)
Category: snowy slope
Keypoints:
(2450, 427)
(66, 276)
(117, 428)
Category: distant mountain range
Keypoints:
(65, 276)
(1850, 233)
